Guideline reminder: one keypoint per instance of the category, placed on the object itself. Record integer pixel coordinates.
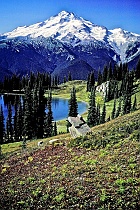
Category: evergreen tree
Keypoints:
(9, 125)
(2, 127)
(35, 110)
(41, 113)
(103, 115)
(48, 130)
(92, 112)
(99, 79)
(113, 110)
(88, 82)
(126, 107)
(91, 81)
(98, 114)
(28, 128)
(115, 91)
(19, 124)
(15, 124)
(127, 92)
(73, 106)
(108, 95)
(115, 70)
(118, 111)
(55, 81)
(104, 75)
(109, 72)
(69, 76)
(124, 69)
(119, 73)
(134, 107)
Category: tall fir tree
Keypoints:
(127, 92)
(19, 125)
(104, 74)
(108, 94)
(114, 74)
(69, 76)
(119, 72)
(15, 124)
(134, 107)
(41, 113)
(98, 113)
(99, 79)
(126, 107)
(48, 129)
(9, 124)
(109, 72)
(124, 69)
(35, 110)
(28, 128)
(103, 115)
(73, 105)
(91, 81)
(118, 111)
(92, 112)
(113, 110)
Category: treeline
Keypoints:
(117, 83)
(115, 73)
(15, 82)
(30, 119)
(19, 83)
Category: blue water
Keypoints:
(59, 108)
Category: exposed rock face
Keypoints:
(103, 87)
(79, 126)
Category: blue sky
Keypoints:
(109, 13)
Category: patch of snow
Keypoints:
(120, 40)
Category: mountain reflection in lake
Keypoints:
(60, 106)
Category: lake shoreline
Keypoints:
(60, 106)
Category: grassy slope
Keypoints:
(64, 92)
(82, 95)
(64, 177)
(102, 172)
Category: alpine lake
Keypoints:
(60, 106)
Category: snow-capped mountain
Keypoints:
(54, 43)
(64, 27)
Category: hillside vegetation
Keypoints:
(99, 171)
(82, 95)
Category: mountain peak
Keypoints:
(53, 43)
(62, 13)
(66, 15)
(70, 29)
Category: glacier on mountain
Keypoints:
(65, 37)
